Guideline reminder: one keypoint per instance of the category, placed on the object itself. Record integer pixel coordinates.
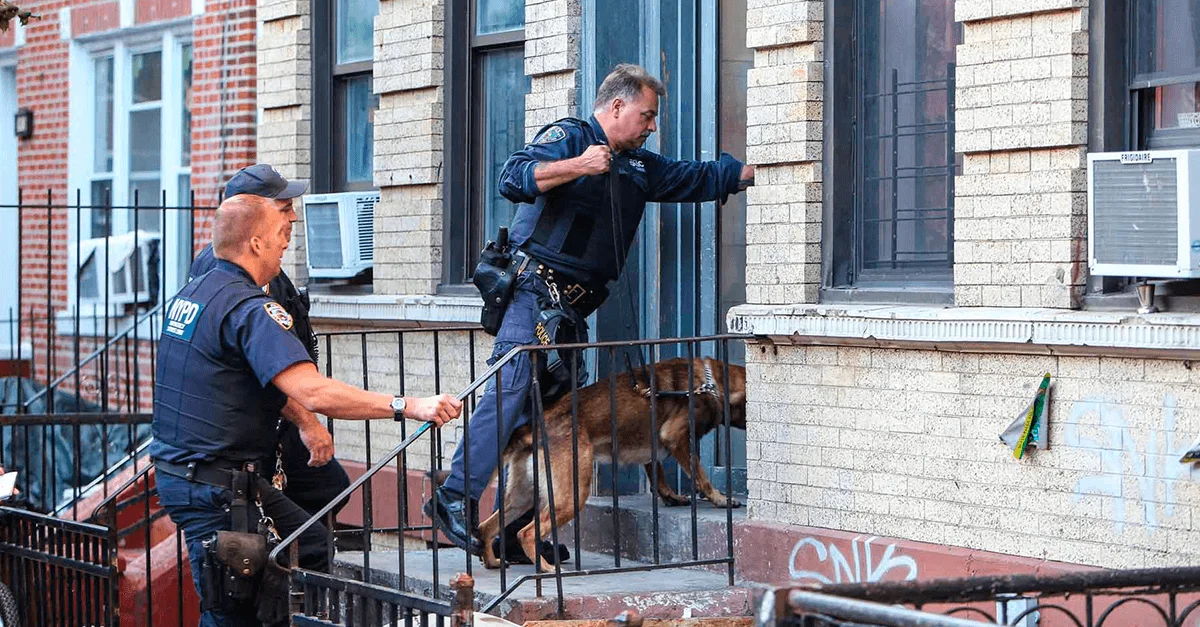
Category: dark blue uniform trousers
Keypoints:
(200, 510)
(489, 432)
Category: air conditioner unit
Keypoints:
(340, 230)
(1144, 214)
(119, 270)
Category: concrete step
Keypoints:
(665, 594)
(636, 530)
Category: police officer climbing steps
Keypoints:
(582, 187)
(228, 367)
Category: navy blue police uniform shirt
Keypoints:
(223, 342)
(572, 226)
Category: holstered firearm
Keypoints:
(496, 276)
(234, 560)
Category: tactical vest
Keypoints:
(572, 226)
(207, 400)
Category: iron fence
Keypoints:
(85, 344)
(392, 570)
(61, 572)
(1144, 597)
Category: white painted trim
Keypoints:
(1167, 335)
(80, 133)
(64, 23)
(18, 34)
(137, 35)
(451, 309)
(126, 12)
(197, 7)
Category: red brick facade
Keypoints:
(223, 140)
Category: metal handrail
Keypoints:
(462, 396)
(116, 493)
(96, 353)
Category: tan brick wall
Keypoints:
(1021, 122)
(383, 365)
(552, 45)
(409, 35)
(285, 103)
(905, 444)
(783, 141)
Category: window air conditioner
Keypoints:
(340, 230)
(1144, 214)
(131, 276)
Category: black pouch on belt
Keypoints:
(495, 276)
(234, 560)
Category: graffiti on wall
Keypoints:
(860, 566)
(1148, 457)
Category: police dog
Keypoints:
(595, 430)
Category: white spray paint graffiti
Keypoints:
(1152, 466)
(865, 568)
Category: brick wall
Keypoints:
(904, 443)
(783, 142)
(1020, 205)
(408, 77)
(284, 73)
(223, 136)
(552, 46)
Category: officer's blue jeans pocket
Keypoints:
(521, 315)
(173, 491)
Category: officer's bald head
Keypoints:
(240, 218)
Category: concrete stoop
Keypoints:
(661, 595)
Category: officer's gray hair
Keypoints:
(236, 222)
(626, 81)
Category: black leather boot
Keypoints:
(514, 554)
(450, 510)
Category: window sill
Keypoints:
(93, 326)
(975, 329)
(381, 308)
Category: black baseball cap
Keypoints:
(261, 179)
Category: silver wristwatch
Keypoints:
(398, 405)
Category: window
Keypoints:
(141, 136)
(344, 97)
(485, 76)
(131, 127)
(1164, 69)
(892, 198)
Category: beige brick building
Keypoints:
(912, 259)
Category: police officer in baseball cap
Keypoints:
(263, 180)
(304, 463)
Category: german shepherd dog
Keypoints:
(707, 388)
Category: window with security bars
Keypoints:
(895, 222)
(1164, 67)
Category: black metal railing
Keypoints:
(60, 572)
(395, 570)
(1144, 597)
(85, 344)
(906, 177)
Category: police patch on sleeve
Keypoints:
(551, 135)
(279, 315)
(181, 318)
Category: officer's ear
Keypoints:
(616, 107)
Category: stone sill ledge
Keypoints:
(396, 309)
(975, 329)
